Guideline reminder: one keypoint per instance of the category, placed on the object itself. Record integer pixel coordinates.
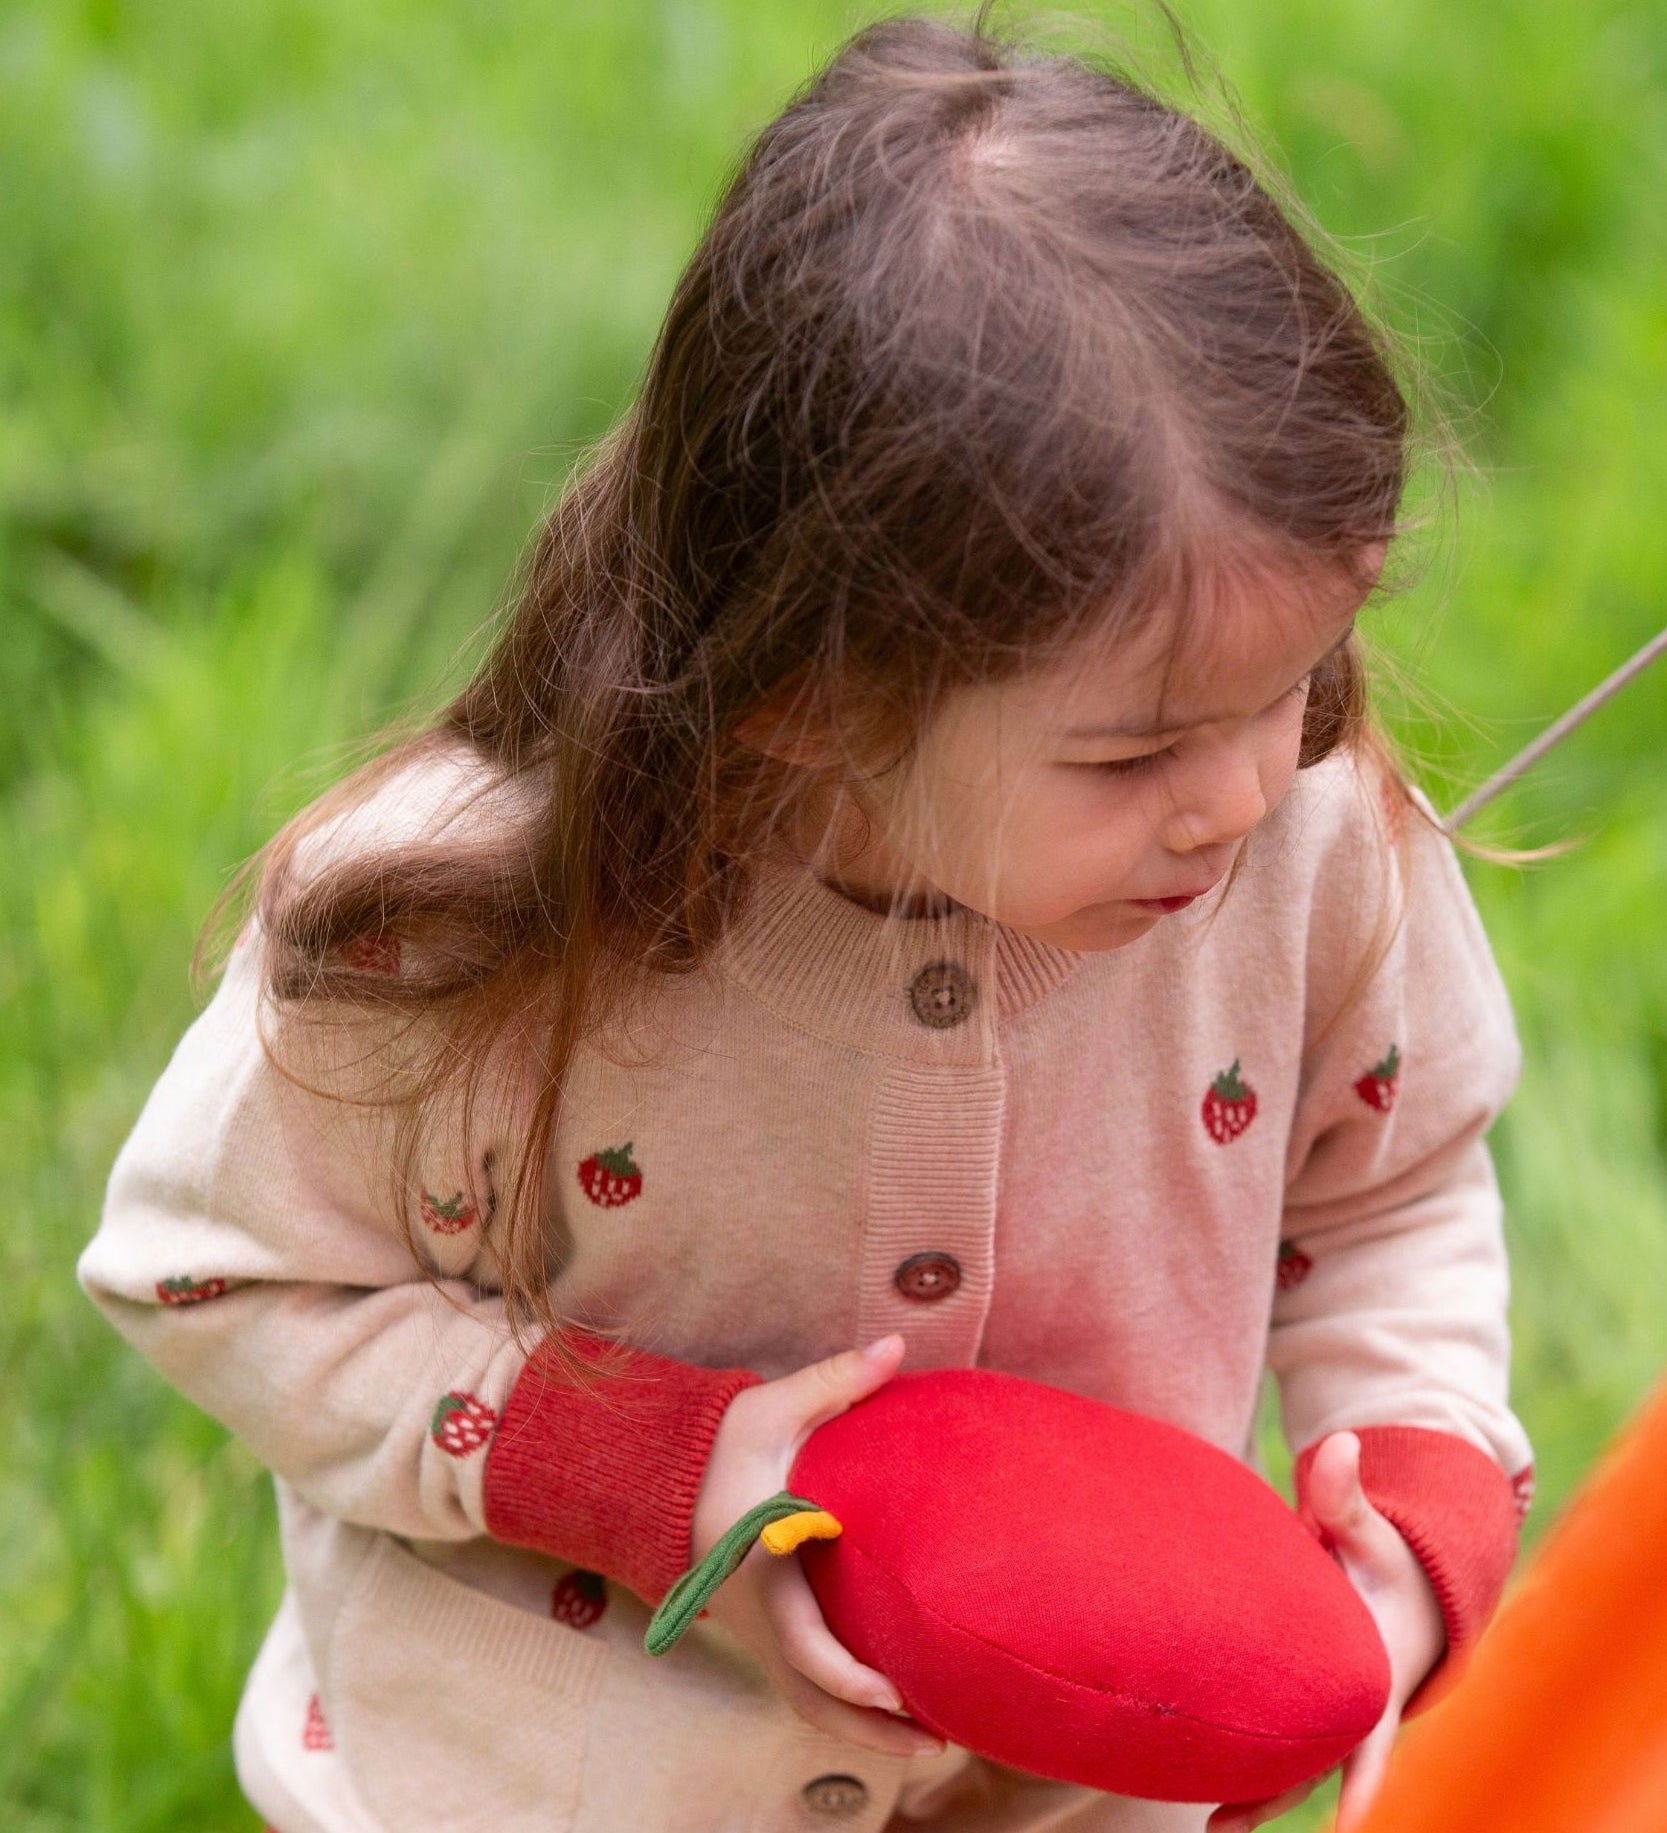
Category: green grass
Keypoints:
(303, 309)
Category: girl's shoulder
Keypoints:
(376, 880)
(440, 793)
(1354, 817)
(1355, 859)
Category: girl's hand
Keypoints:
(1387, 1574)
(766, 1603)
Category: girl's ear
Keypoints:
(1369, 563)
(782, 729)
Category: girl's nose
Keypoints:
(1218, 807)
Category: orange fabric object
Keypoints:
(1559, 1723)
(794, 1530)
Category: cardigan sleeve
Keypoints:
(1389, 1315)
(248, 1250)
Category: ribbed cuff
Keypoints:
(1456, 1509)
(605, 1474)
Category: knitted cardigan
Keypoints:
(1251, 1140)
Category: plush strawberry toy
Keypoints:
(1070, 1589)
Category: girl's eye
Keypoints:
(1128, 766)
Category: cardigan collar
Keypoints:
(845, 972)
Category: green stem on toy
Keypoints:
(687, 1598)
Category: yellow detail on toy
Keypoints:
(812, 1524)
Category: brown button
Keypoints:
(928, 1276)
(942, 994)
(835, 1794)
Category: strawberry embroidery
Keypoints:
(579, 1599)
(448, 1217)
(315, 1731)
(1294, 1266)
(609, 1177)
(184, 1290)
(1522, 1487)
(1229, 1106)
(1381, 1083)
(461, 1423)
(372, 954)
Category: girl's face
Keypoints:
(1082, 804)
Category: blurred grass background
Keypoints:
(304, 310)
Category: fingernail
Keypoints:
(888, 1699)
(878, 1348)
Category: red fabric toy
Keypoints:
(1071, 1589)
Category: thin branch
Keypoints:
(1555, 733)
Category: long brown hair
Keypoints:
(980, 344)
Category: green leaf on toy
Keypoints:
(687, 1598)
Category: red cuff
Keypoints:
(1459, 1513)
(605, 1474)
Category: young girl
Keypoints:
(914, 872)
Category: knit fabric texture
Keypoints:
(1250, 1143)
(606, 1475)
(1454, 1507)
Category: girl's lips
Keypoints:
(1165, 904)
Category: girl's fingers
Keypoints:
(1342, 1507)
(1240, 1816)
(814, 1650)
(1334, 1491)
(813, 1395)
(1363, 1771)
(876, 1730)
(818, 1677)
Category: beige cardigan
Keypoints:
(1141, 1175)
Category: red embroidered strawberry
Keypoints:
(461, 1424)
(1229, 1106)
(448, 1217)
(184, 1290)
(579, 1599)
(609, 1178)
(372, 954)
(1294, 1266)
(1380, 1084)
(315, 1732)
(1522, 1487)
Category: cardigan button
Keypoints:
(942, 994)
(835, 1794)
(928, 1276)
